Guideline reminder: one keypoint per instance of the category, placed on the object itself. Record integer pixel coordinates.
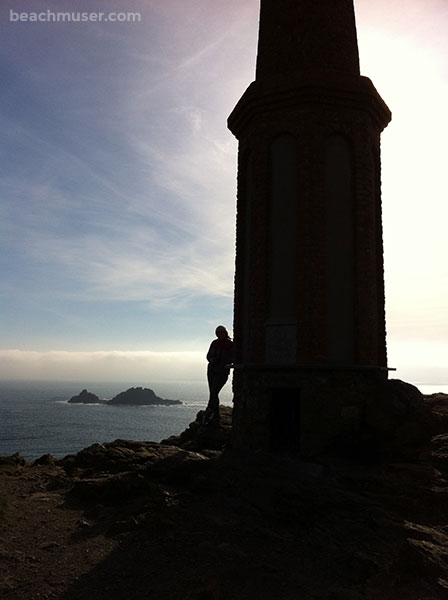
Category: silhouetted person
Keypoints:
(220, 357)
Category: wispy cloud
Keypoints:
(101, 365)
(153, 221)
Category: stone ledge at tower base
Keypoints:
(353, 411)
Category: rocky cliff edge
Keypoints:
(188, 520)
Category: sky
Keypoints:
(118, 183)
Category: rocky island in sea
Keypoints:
(136, 396)
(86, 397)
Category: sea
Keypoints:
(36, 418)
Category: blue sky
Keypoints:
(118, 183)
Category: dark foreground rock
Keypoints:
(397, 424)
(200, 437)
(438, 403)
(181, 520)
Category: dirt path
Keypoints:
(41, 551)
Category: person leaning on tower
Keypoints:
(220, 358)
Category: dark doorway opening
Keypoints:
(285, 420)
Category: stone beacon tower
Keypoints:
(309, 321)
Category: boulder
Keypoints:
(11, 462)
(438, 404)
(45, 459)
(198, 437)
(399, 420)
(396, 423)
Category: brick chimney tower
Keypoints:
(309, 321)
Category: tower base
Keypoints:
(304, 409)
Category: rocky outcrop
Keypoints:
(438, 403)
(141, 396)
(120, 518)
(11, 462)
(86, 397)
(198, 437)
(400, 421)
(396, 423)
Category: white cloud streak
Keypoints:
(102, 365)
(169, 236)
